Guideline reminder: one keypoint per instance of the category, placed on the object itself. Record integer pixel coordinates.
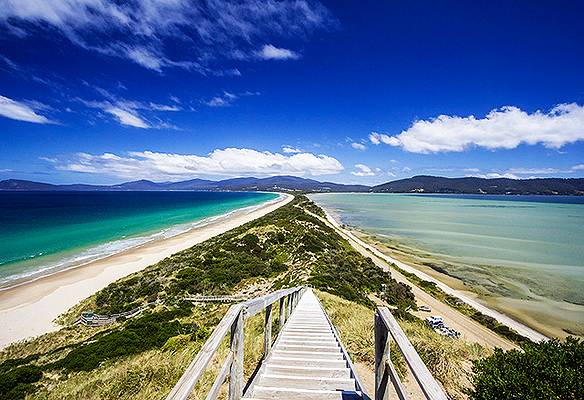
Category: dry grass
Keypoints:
(449, 360)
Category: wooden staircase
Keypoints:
(307, 360)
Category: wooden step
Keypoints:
(270, 393)
(332, 348)
(308, 354)
(305, 382)
(322, 372)
(306, 362)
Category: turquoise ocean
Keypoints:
(523, 247)
(43, 232)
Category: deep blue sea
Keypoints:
(41, 232)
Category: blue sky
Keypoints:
(364, 92)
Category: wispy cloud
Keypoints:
(271, 52)
(358, 146)
(141, 31)
(129, 112)
(126, 117)
(504, 128)
(22, 111)
(230, 162)
(223, 100)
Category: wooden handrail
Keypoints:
(387, 328)
(233, 322)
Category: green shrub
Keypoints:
(149, 331)
(548, 370)
(17, 382)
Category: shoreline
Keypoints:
(147, 239)
(502, 318)
(30, 308)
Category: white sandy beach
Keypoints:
(29, 310)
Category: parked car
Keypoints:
(424, 308)
(435, 321)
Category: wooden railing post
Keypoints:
(381, 359)
(236, 345)
(282, 312)
(268, 331)
(288, 307)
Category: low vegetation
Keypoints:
(551, 370)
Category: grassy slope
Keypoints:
(143, 357)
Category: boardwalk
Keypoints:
(307, 361)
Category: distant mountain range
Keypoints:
(470, 185)
(275, 183)
(416, 184)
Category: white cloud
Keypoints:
(224, 100)
(579, 167)
(126, 112)
(533, 171)
(229, 162)
(495, 175)
(141, 30)
(358, 146)
(362, 170)
(291, 150)
(504, 128)
(21, 111)
(270, 52)
(378, 138)
(127, 117)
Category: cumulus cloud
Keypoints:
(504, 128)
(141, 31)
(291, 150)
(362, 170)
(229, 162)
(358, 146)
(22, 111)
(271, 52)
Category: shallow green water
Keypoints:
(520, 246)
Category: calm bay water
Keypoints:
(45, 231)
(522, 246)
